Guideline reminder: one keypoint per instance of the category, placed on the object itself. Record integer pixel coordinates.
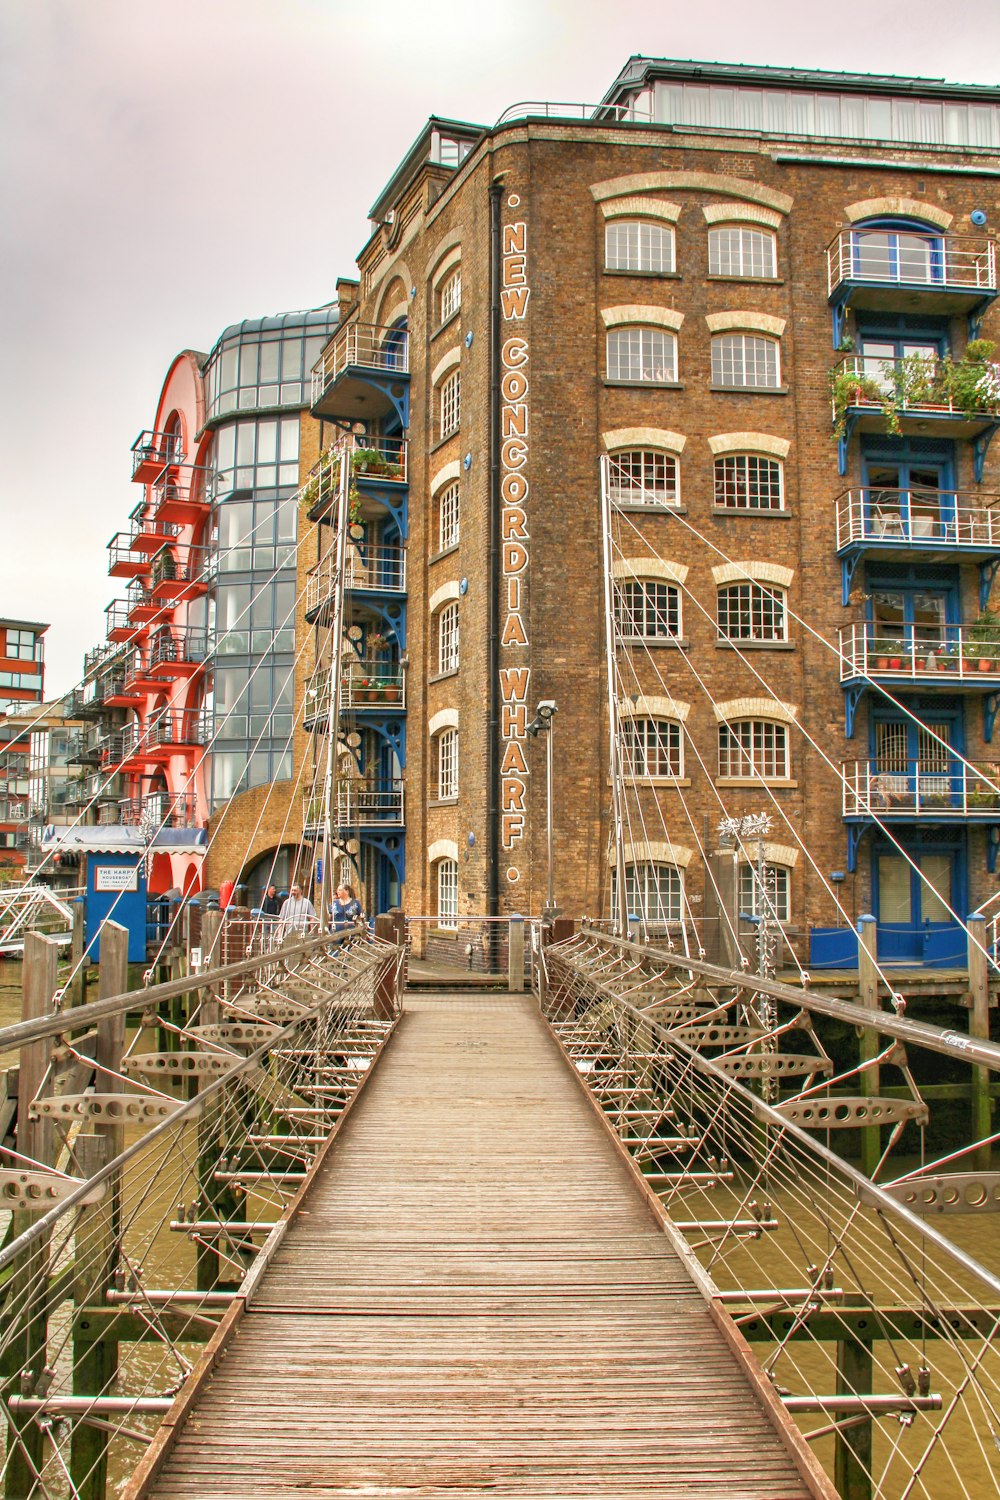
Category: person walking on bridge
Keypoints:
(346, 909)
(297, 913)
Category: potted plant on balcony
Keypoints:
(974, 380)
(393, 689)
(983, 641)
(850, 387)
(369, 461)
(377, 641)
(354, 515)
(879, 653)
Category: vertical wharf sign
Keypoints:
(515, 669)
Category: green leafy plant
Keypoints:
(848, 387)
(982, 639)
(970, 385)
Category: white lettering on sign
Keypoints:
(116, 878)
(515, 673)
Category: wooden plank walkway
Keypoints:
(476, 1299)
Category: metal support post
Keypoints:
(515, 950)
(979, 1026)
(95, 1361)
(868, 1041)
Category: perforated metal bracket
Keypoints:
(787, 1064)
(38, 1191)
(241, 1033)
(106, 1109)
(844, 1111)
(949, 1193)
(182, 1064)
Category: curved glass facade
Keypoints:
(264, 363)
(255, 367)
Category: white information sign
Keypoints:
(116, 878)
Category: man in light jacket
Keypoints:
(297, 912)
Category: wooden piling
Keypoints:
(95, 1360)
(24, 1358)
(852, 1459)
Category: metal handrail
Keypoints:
(918, 518)
(314, 1008)
(159, 809)
(548, 109)
(954, 651)
(371, 569)
(370, 346)
(388, 461)
(788, 1238)
(156, 447)
(931, 393)
(953, 260)
(911, 789)
(363, 684)
(178, 643)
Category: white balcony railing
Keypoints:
(380, 570)
(363, 684)
(916, 386)
(963, 261)
(383, 459)
(357, 804)
(956, 654)
(960, 519)
(915, 789)
(369, 346)
(158, 810)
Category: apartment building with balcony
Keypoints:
(22, 677)
(190, 694)
(765, 298)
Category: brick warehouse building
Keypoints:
(679, 279)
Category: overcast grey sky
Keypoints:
(171, 166)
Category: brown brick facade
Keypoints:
(555, 180)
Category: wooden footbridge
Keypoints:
(284, 1227)
(475, 1297)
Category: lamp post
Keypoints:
(543, 722)
(754, 827)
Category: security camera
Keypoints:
(547, 708)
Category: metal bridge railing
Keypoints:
(502, 947)
(155, 1172)
(876, 1330)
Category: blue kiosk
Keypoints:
(112, 860)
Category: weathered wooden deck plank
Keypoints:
(473, 1299)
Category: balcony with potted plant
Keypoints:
(917, 396)
(962, 657)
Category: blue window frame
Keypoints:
(908, 488)
(918, 607)
(916, 885)
(916, 760)
(898, 252)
